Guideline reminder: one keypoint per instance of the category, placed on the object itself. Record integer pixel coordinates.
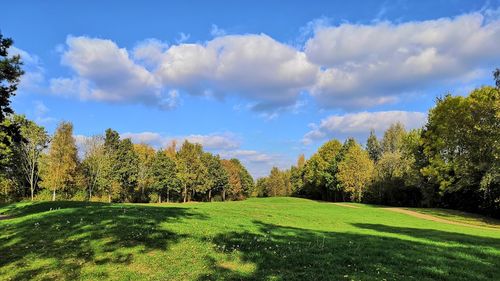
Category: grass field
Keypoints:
(256, 239)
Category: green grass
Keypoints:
(256, 239)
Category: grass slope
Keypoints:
(257, 239)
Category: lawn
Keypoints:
(256, 239)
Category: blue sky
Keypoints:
(262, 81)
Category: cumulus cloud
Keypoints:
(348, 66)
(255, 67)
(360, 124)
(216, 141)
(374, 64)
(105, 72)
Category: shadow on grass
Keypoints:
(287, 253)
(79, 234)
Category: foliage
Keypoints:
(61, 163)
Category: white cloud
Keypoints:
(213, 142)
(366, 65)
(34, 72)
(255, 67)
(360, 124)
(348, 66)
(105, 72)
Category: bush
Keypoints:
(43, 195)
(80, 196)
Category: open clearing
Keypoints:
(256, 239)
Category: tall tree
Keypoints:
(496, 75)
(145, 155)
(217, 177)
(62, 160)
(164, 175)
(10, 74)
(35, 140)
(95, 163)
(355, 171)
(373, 146)
(318, 170)
(461, 143)
(393, 137)
(191, 170)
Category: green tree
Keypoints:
(393, 137)
(95, 164)
(496, 75)
(10, 74)
(461, 143)
(163, 171)
(28, 151)
(62, 161)
(373, 146)
(217, 177)
(145, 155)
(318, 170)
(355, 172)
(191, 171)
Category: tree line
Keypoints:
(35, 165)
(453, 161)
(112, 169)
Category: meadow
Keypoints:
(255, 239)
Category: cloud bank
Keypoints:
(360, 124)
(347, 66)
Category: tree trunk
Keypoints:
(32, 191)
(185, 193)
(90, 194)
(54, 195)
(224, 195)
(168, 191)
(159, 197)
(109, 197)
(210, 195)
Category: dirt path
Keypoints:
(433, 218)
(346, 205)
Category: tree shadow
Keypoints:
(47, 245)
(288, 253)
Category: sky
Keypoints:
(262, 81)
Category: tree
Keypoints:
(373, 146)
(240, 180)
(62, 160)
(496, 75)
(355, 171)
(10, 74)
(461, 144)
(275, 183)
(127, 166)
(163, 171)
(217, 177)
(191, 170)
(318, 170)
(145, 155)
(95, 163)
(35, 140)
(393, 137)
